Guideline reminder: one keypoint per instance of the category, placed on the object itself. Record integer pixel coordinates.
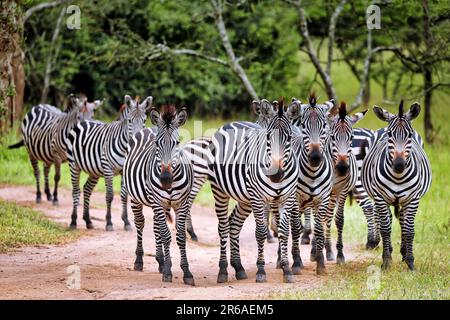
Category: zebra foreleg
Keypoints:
(87, 191)
(139, 222)
(109, 176)
(319, 236)
(198, 183)
(47, 167)
(34, 164)
(57, 178)
(75, 178)
(181, 213)
(296, 226)
(363, 200)
(307, 227)
(283, 238)
(339, 219)
(328, 220)
(385, 224)
(124, 200)
(409, 212)
(237, 218)
(159, 255)
(261, 234)
(221, 206)
(166, 238)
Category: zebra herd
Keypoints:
(296, 159)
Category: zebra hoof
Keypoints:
(189, 281)
(127, 227)
(321, 271)
(271, 240)
(288, 278)
(370, 245)
(386, 265)
(241, 275)
(305, 240)
(55, 203)
(194, 238)
(312, 257)
(297, 270)
(109, 227)
(330, 256)
(38, 200)
(222, 278)
(138, 266)
(73, 226)
(340, 259)
(167, 278)
(261, 277)
(49, 197)
(89, 225)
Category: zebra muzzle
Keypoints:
(315, 157)
(398, 165)
(276, 172)
(166, 177)
(342, 168)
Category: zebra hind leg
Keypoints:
(109, 198)
(166, 239)
(188, 278)
(190, 227)
(46, 182)
(221, 207)
(87, 191)
(57, 178)
(34, 164)
(75, 179)
(385, 225)
(296, 225)
(124, 200)
(328, 221)
(340, 226)
(307, 230)
(409, 212)
(261, 235)
(237, 219)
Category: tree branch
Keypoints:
(234, 64)
(41, 6)
(331, 33)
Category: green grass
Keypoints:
(21, 226)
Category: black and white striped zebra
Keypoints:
(158, 173)
(255, 166)
(345, 172)
(315, 179)
(397, 172)
(99, 149)
(45, 129)
(199, 150)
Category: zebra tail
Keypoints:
(396, 211)
(350, 198)
(17, 145)
(169, 217)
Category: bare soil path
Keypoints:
(106, 259)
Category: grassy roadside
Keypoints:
(21, 226)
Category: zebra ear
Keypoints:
(147, 103)
(256, 107)
(182, 117)
(382, 114)
(266, 108)
(413, 111)
(329, 105)
(154, 116)
(98, 103)
(357, 116)
(128, 101)
(294, 109)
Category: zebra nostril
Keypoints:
(315, 158)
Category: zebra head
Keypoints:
(167, 140)
(134, 112)
(83, 108)
(279, 134)
(315, 129)
(342, 136)
(400, 134)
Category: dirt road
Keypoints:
(105, 260)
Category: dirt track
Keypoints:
(106, 260)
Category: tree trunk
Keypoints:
(428, 92)
(12, 75)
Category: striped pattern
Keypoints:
(45, 130)
(397, 172)
(158, 173)
(99, 149)
(255, 166)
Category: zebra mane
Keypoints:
(168, 112)
(400, 109)
(312, 99)
(280, 106)
(342, 111)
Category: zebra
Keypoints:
(158, 173)
(254, 166)
(346, 174)
(360, 144)
(198, 148)
(45, 129)
(99, 150)
(397, 172)
(315, 179)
